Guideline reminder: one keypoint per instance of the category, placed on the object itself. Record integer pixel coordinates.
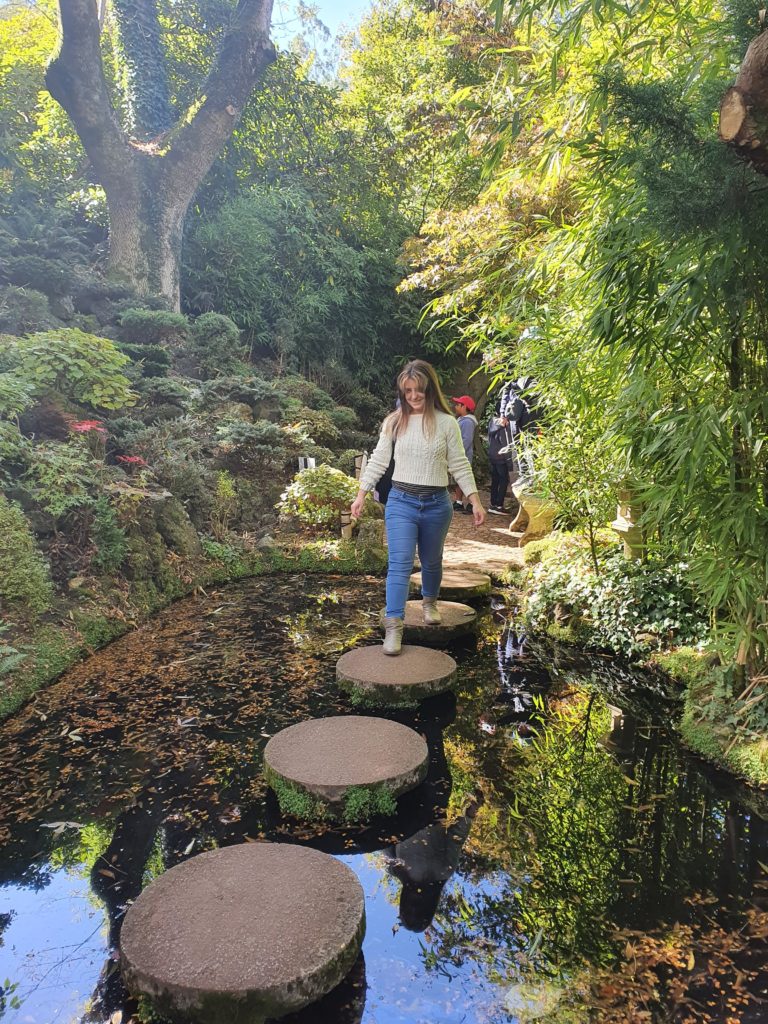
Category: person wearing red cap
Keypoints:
(465, 409)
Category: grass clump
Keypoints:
(294, 801)
(24, 574)
(361, 803)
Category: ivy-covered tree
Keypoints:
(150, 155)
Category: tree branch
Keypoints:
(145, 71)
(75, 79)
(246, 53)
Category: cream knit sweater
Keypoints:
(422, 460)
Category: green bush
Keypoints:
(215, 345)
(247, 447)
(61, 477)
(317, 497)
(343, 418)
(23, 310)
(308, 393)
(153, 327)
(152, 360)
(628, 607)
(108, 536)
(82, 367)
(318, 427)
(24, 574)
(15, 450)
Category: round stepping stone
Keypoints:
(350, 767)
(458, 584)
(417, 672)
(243, 933)
(458, 620)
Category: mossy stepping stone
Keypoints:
(458, 584)
(370, 676)
(459, 620)
(349, 767)
(243, 933)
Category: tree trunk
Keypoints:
(149, 183)
(744, 107)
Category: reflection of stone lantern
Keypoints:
(628, 513)
(345, 520)
(361, 460)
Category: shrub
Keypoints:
(215, 345)
(24, 573)
(318, 427)
(153, 327)
(23, 310)
(83, 367)
(317, 496)
(308, 393)
(61, 477)
(109, 537)
(152, 360)
(628, 607)
(247, 447)
(15, 450)
(343, 418)
(224, 506)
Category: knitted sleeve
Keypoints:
(378, 462)
(458, 463)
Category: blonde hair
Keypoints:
(425, 376)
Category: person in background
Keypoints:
(465, 413)
(501, 457)
(425, 439)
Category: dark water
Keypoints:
(555, 832)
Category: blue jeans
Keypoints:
(413, 522)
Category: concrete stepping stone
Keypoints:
(349, 767)
(459, 620)
(458, 584)
(243, 933)
(370, 676)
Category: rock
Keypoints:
(243, 933)
(326, 757)
(267, 543)
(459, 620)
(417, 672)
(459, 584)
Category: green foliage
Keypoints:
(108, 536)
(317, 497)
(153, 326)
(62, 477)
(215, 345)
(361, 803)
(317, 426)
(10, 657)
(15, 450)
(306, 391)
(628, 607)
(224, 505)
(296, 802)
(80, 366)
(25, 581)
(23, 310)
(248, 448)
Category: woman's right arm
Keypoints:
(374, 471)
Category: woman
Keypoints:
(425, 439)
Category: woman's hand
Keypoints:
(357, 505)
(478, 512)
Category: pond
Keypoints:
(556, 835)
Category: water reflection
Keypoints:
(507, 872)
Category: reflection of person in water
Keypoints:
(425, 862)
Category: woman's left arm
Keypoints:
(461, 471)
